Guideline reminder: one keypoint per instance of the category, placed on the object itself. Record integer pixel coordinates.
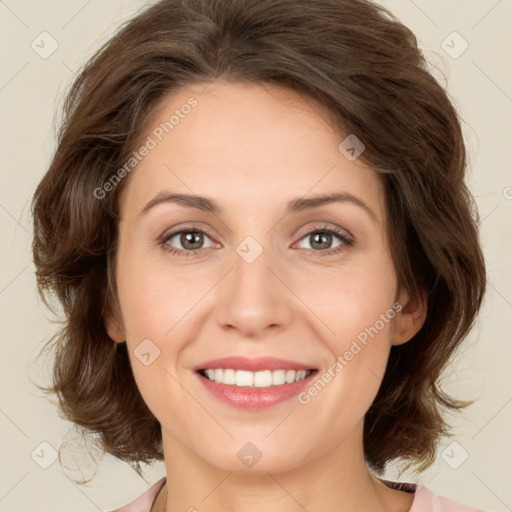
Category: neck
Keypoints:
(335, 480)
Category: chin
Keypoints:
(255, 458)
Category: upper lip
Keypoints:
(253, 365)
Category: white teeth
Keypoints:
(290, 376)
(300, 375)
(278, 377)
(218, 374)
(242, 378)
(262, 379)
(229, 377)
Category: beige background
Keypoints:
(31, 88)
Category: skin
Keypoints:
(252, 149)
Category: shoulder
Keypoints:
(145, 501)
(426, 501)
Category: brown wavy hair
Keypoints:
(355, 58)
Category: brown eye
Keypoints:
(190, 240)
(321, 240)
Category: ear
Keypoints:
(113, 327)
(410, 318)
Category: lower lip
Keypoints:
(255, 398)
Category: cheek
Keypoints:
(342, 392)
(156, 301)
(356, 311)
(351, 298)
(160, 311)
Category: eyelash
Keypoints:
(345, 239)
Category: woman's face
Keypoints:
(266, 272)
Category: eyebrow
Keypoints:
(293, 206)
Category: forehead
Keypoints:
(246, 144)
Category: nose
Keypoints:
(254, 298)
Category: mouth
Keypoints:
(254, 383)
(260, 379)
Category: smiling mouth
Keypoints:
(260, 379)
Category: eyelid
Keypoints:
(187, 226)
(327, 226)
